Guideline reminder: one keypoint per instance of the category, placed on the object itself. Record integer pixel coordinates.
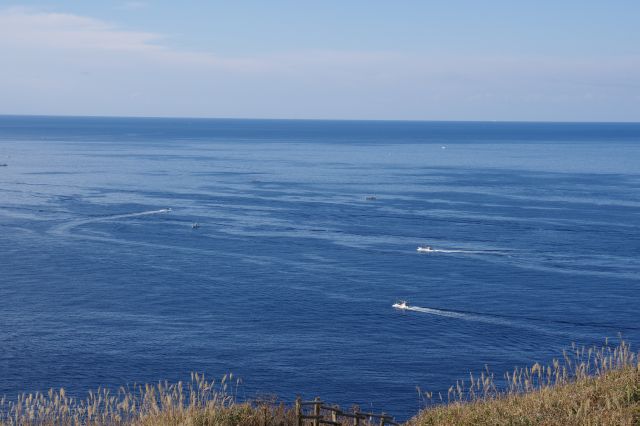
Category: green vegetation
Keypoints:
(586, 387)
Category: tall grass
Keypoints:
(576, 364)
(197, 402)
(597, 385)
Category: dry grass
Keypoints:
(597, 386)
(199, 402)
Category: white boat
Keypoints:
(425, 249)
(400, 305)
(195, 225)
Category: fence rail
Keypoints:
(319, 412)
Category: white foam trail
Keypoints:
(464, 251)
(487, 319)
(121, 216)
(459, 315)
(64, 228)
(467, 316)
(456, 251)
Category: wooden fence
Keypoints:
(318, 413)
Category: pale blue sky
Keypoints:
(428, 60)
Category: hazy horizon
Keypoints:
(169, 117)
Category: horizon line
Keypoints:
(399, 120)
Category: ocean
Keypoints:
(307, 235)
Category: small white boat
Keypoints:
(195, 225)
(425, 249)
(402, 305)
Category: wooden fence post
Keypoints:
(316, 411)
(299, 410)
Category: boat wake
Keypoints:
(454, 314)
(510, 321)
(429, 249)
(459, 251)
(65, 228)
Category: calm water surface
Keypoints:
(288, 282)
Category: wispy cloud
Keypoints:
(20, 27)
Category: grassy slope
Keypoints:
(590, 387)
(612, 399)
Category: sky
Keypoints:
(349, 59)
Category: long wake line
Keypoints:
(64, 228)
(503, 319)
(456, 314)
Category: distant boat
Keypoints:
(195, 225)
(371, 198)
(425, 249)
(3, 165)
(402, 305)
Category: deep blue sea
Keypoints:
(289, 281)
